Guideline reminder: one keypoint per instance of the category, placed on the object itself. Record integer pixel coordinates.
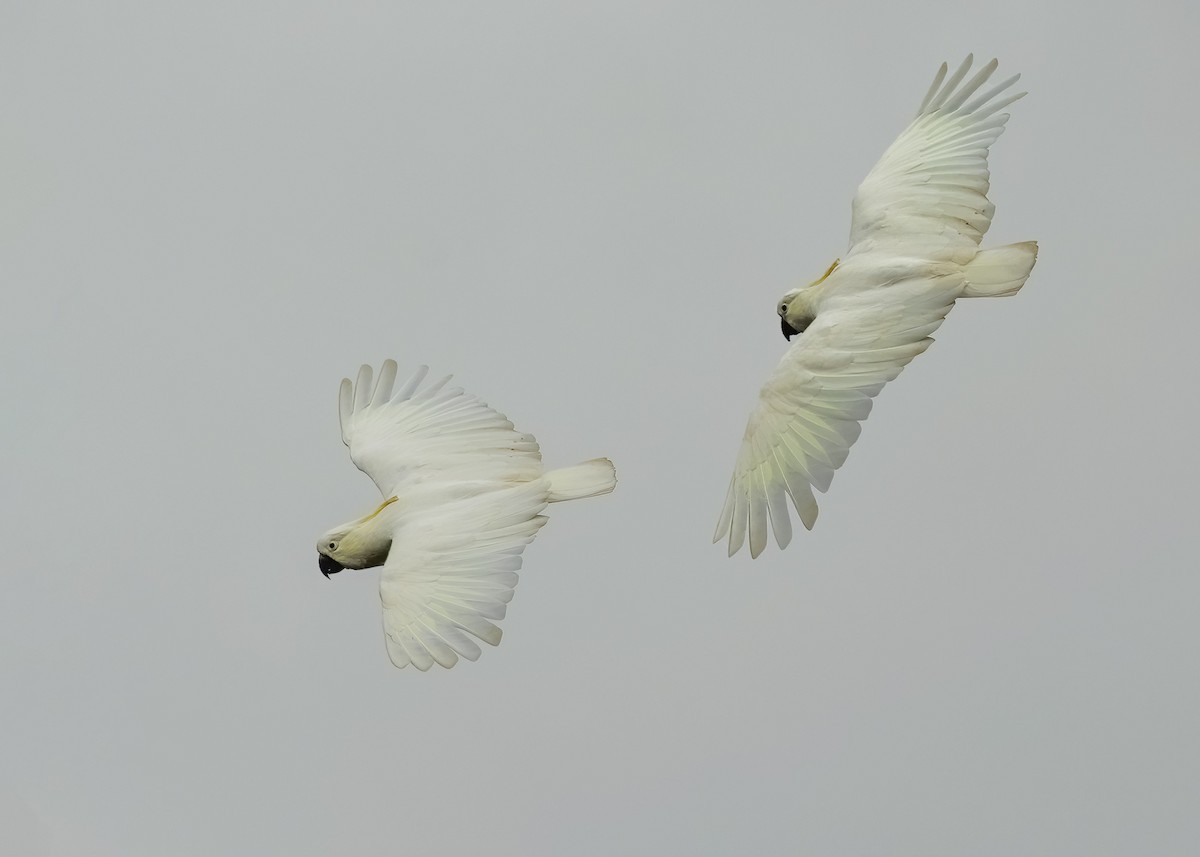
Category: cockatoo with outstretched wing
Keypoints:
(915, 229)
(463, 495)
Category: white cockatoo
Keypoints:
(463, 495)
(916, 223)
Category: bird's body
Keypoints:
(463, 496)
(918, 218)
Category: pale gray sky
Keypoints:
(211, 212)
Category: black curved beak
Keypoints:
(788, 330)
(329, 566)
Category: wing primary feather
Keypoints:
(481, 628)
(345, 408)
(438, 649)
(758, 512)
(967, 90)
(383, 386)
(726, 512)
(396, 651)
(781, 521)
(818, 430)
(808, 511)
(815, 470)
(448, 630)
(933, 88)
(954, 81)
(362, 387)
(417, 654)
(990, 94)
(433, 389)
(802, 499)
(1000, 105)
(741, 516)
(410, 386)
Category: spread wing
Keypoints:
(927, 195)
(409, 438)
(809, 410)
(451, 570)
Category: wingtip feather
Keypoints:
(933, 88)
(383, 385)
(362, 386)
(409, 387)
(948, 88)
(345, 408)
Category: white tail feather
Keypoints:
(1000, 271)
(588, 479)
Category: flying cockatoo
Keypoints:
(916, 223)
(463, 495)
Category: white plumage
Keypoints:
(917, 221)
(464, 494)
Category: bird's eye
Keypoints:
(783, 309)
(333, 546)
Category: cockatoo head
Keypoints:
(359, 544)
(336, 550)
(794, 313)
(796, 308)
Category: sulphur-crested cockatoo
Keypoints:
(463, 495)
(916, 223)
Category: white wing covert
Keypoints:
(927, 195)
(438, 433)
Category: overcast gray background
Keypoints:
(210, 213)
